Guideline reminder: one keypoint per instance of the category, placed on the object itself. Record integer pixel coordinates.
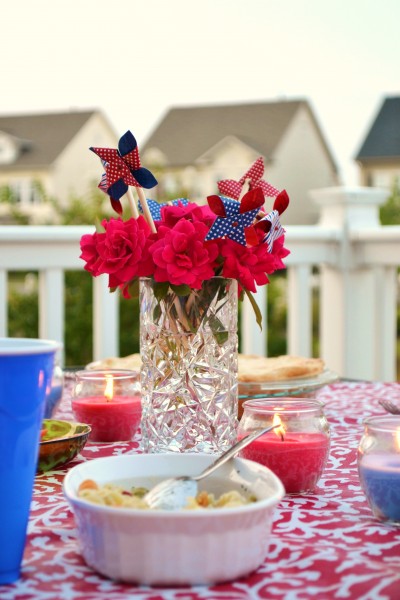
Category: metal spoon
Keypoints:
(390, 407)
(173, 493)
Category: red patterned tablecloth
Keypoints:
(324, 545)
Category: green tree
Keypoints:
(23, 314)
(90, 210)
(23, 305)
(390, 211)
(7, 196)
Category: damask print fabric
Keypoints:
(324, 545)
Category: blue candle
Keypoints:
(380, 479)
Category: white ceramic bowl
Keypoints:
(157, 547)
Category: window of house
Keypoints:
(170, 184)
(382, 179)
(16, 191)
(25, 193)
(8, 150)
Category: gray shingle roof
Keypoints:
(383, 138)
(42, 137)
(185, 133)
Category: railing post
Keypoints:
(300, 314)
(350, 313)
(105, 320)
(385, 322)
(253, 339)
(51, 306)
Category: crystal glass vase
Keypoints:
(188, 346)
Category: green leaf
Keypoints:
(181, 290)
(99, 227)
(256, 309)
(217, 329)
(160, 289)
(133, 288)
(156, 313)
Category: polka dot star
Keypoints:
(233, 224)
(123, 167)
(232, 188)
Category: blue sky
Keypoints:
(135, 59)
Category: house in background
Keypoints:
(50, 150)
(194, 147)
(379, 155)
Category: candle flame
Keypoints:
(109, 390)
(280, 429)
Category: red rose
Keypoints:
(181, 256)
(90, 254)
(279, 252)
(171, 215)
(250, 266)
(121, 251)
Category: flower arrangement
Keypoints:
(181, 245)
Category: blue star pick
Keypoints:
(155, 207)
(233, 224)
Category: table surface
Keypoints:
(324, 545)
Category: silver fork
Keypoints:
(390, 407)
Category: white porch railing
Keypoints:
(357, 260)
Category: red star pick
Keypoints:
(233, 189)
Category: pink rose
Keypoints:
(181, 256)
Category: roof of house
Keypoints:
(383, 138)
(186, 133)
(41, 137)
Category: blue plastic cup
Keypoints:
(26, 367)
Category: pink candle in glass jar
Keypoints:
(298, 460)
(109, 401)
(298, 449)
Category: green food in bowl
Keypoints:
(61, 441)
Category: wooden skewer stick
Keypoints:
(132, 204)
(145, 208)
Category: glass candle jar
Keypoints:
(379, 466)
(297, 449)
(54, 390)
(109, 401)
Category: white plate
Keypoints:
(132, 363)
(288, 387)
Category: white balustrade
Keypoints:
(359, 296)
(357, 261)
(51, 250)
